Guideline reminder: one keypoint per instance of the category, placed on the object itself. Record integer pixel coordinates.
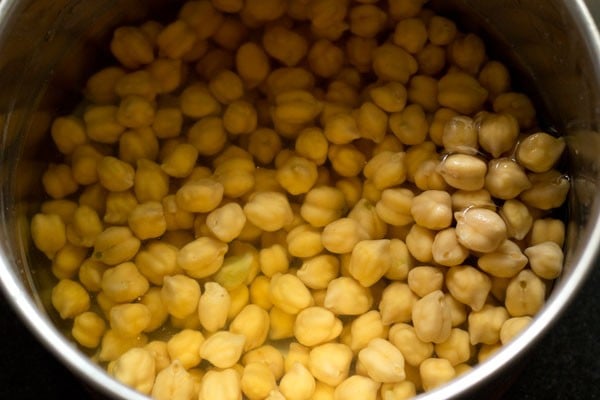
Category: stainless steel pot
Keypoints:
(47, 49)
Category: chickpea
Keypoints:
(173, 381)
(497, 132)
(316, 325)
(396, 303)
(393, 63)
(463, 171)
(284, 45)
(414, 350)
(457, 348)
(240, 117)
(431, 318)
(512, 327)
(359, 52)
(386, 169)
(518, 105)
(100, 87)
(410, 34)
(442, 31)
(409, 125)
(461, 92)
(435, 372)
(468, 285)
(345, 296)
(432, 209)
(494, 76)
(431, 60)
(423, 280)
(480, 229)
(390, 97)
(545, 259)
(467, 52)
(460, 135)
(548, 190)
(547, 230)
(131, 47)
(419, 241)
(540, 152)
(505, 179)
(525, 294)
(504, 262)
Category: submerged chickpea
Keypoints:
(480, 229)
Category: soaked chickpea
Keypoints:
(358, 179)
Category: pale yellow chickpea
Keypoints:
(459, 134)
(70, 298)
(364, 329)
(100, 87)
(383, 361)
(135, 112)
(398, 391)
(410, 34)
(435, 372)
(323, 205)
(480, 229)
(180, 162)
(282, 324)
(495, 77)
(58, 181)
(396, 303)
(325, 59)
(419, 241)
(432, 209)
(441, 30)
(497, 132)
(90, 274)
(446, 250)
(468, 285)
(207, 135)
(547, 230)
(423, 279)
(196, 101)
(266, 355)
(289, 293)
(202, 257)
(548, 190)
(284, 79)
(147, 220)
(184, 347)
(48, 232)
(518, 105)
(115, 244)
(137, 144)
(404, 337)
(284, 45)
(467, 52)
(505, 179)
(131, 47)
(68, 133)
(135, 368)
(463, 171)
(297, 175)
(201, 195)
(540, 152)
(173, 381)
(180, 294)
(316, 325)
(240, 117)
(341, 128)
(330, 362)
(257, 381)
(545, 259)
(252, 323)
(88, 328)
(340, 236)
(311, 144)
(366, 215)
(67, 260)
(84, 163)
(525, 294)
(357, 386)
(115, 175)
(371, 121)
(140, 83)
(422, 90)
(304, 241)
(167, 73)
(394, 207)
(345, 296)
(346, 159)
(391, 96)
(129, 319)
(114, 345)
(393, 63)
(409, 125)
(461, 92)
(252, 64)
(151, 183)
(269, 211)
(512, 327)
(202, 17)
(157, 260)
(366, 20)
(359, 52)
(431, 59)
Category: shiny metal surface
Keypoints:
(47, 48)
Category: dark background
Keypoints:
(564, 365)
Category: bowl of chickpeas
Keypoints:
(296, 199)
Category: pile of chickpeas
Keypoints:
(303, 199)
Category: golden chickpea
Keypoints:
(393, 63)
(467, 52)
(518, 105)
(410, 125)
(284, 45)
(131, 47)
(461, 92)
(366, 20)
(359, 51)
(505, 179)
(495, 77)
(252, 64)
(540, 152)
(410, 34)
(442, 31)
